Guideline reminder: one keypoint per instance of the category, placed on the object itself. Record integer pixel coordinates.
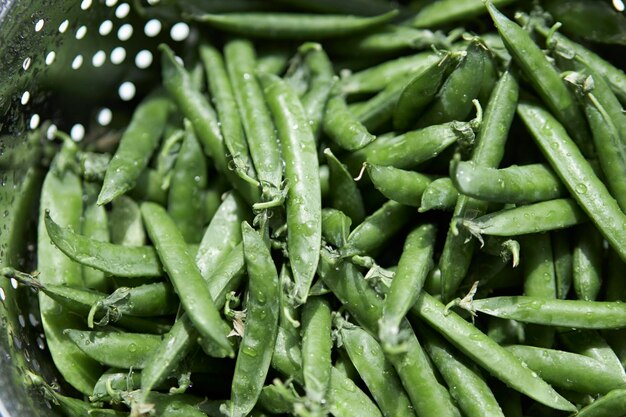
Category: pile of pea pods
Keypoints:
(358, 208)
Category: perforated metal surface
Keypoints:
(78, 66)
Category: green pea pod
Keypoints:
(257, 344)
(587, 261)
(532, 218)
(345, 398)
(567, 313)
(454, 99)
(376, 230)
(612, 404)
(304, 206)
(222, 234)
(179, 341)
(544, 78)
(344, 193)
(226, 105)
(539, 281)
(125, 224)
(354, 7)
(188, 179)
(420, 91)
(94, 225)
(321, 81)
(292, 25)
(449, 11)
(593, 345)
(610, 145)
(343, 128)
(264, 150)
(80, 302)
(414, 265)
(464, 381)
(138, 143)
(591, 20)
(375, 370)
(117, 260)
(412, 148)
(388, 40)
(405, 187)
(316, 348)
(562, 255)
(119, 350)
(376, 78)
(440, 194)
(512, 185)
(577, 175)
(184, 275)
(569, 370)
(488, 354)
(61, 194)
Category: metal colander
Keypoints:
(77, 66)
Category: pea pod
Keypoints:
(119, 350)
(377, 372)
(414, 265)
(539, 281)
(304, 206)
(316, 348)
(567, 313)
(291, 25)
(188, 179)
(404, 187)
(488, 354)
(136, 146)
(533, 218)
(544, 78)
(592, 344)
(515, 184)
(562, 255)
(321, 81)
(184, 275)
(343, 128)
(121, 261)
(587, 261)
(376, 78)
(94, 225)
(257, 345)
(569, 370)
(612, 404)
(412, 148)
(449, 11)
(576, 174)
(125, 224)
(255, 115)
(61, 194)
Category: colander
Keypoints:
(78, 66)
